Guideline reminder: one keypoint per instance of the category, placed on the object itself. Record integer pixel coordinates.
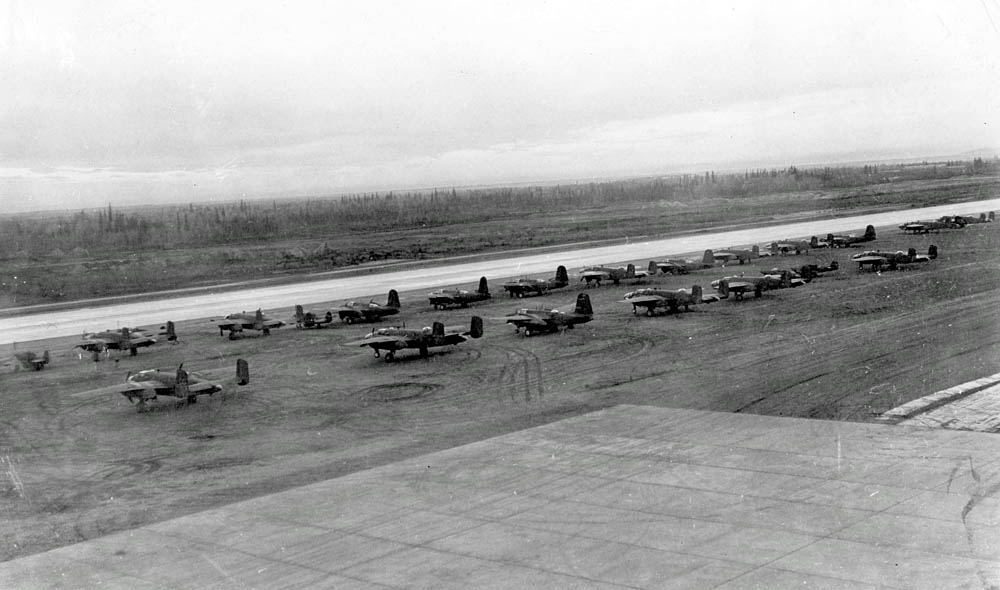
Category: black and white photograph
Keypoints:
(500, 294)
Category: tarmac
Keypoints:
(628, 497)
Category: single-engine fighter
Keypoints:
(877, 260)
(528, 287)
(796, 246)
(845, 241)
(445, 298)
(125, 339)
(236, 323)
(353, 311)
(312, 319)
(740, 286)
(392, 340)
(926, 227)
(31, 360)
(676, 266)
(743, 256)
(671, 301)
(596, 274)
(151, 384)
(543, 321)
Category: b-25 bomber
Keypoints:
(392, 340)
(445, 298)
(312, 319)
(876, 260)
(150, 384)
(926, 227)
(528, 287)
(32, 360)
(848, 240)
(784, 247)
(352, 311)
(237, 323)
(675, 266)
(124, 339)
(738, 286)
(542, 321)
(743, 256)
(596, 274)
(653, 300)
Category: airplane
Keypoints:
(796, 277)
(394, 339)
(877, 260)
(653, 299)
(677, 266)
(31, 360)
(169, 331)
(235, 323)
(925, 227)
(445, 298)
(815, 269)
(740, 286)
(796, 246)
(967, 219)
(125, 339)
(844, 241)
(544, 321)
(744, 256)
(310, 319)
(527, 287)
(150, 384)
(353, 311)
(596, 274)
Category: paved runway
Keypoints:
(629, 497)
(154, 313)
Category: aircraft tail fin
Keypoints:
(814, 242)
(708, 258)
(829, 239)
(393, 300)
(932, 251)
(724, 289)
(561, 275)
(912, 253)
(300, 314)
(755, 251)
(484, 289)
(992, 216)
(870, 232)
(583, 306)
(45, 357)
(807, 272)
(182, 387)
(652, 268)
(242, 372)
(258, 320)
(171, 332)
(630, 271)
(437, 329)
(476, 327)
(696, 294)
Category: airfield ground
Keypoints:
(846, 347)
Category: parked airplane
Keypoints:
(877, 260)
(925, 227)
(353, 311)
(311, 319)
(844, 241)
(395, 339)
(151, 384)
(527, 287)
(743, 256)
(741, 285)
(596, 274)
(542, 321)
(967, 219)
(445, 298)
(125, 339)
(676, 266)
(671, 301)
(796, 277)
(815, 269)
(236, 323)
(31, 360)
(796, 246)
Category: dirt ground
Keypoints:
(848, 346)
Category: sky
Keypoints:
(182, 101)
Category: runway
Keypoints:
(628, 497)
(148, 313)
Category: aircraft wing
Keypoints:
(525, 320)
(380, 341)
(645, 300)
(594, 274)
(870, 259)
(741, 285)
